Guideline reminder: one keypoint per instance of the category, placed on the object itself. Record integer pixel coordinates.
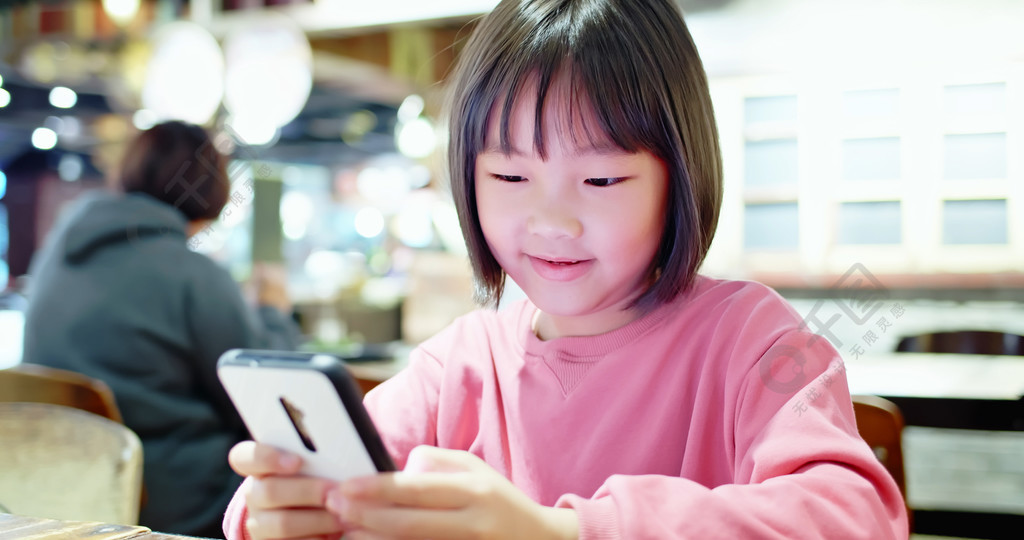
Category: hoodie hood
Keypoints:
(105, 220)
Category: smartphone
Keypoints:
(307, 404)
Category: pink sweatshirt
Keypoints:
(715, 416)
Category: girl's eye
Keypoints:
(509, 177)
(603, 182)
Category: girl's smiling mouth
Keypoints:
(560, 269)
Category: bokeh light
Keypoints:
(268, 74)
(44, 138)
(184, 80)
(416, 138)
(70, 167)
(144, 119)
(121, 11)
(369, 222)
(63, 97)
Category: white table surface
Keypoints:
(930, 375)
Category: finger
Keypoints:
(425, 458)
(424, 490)
(249, 458)
(374, 521)
(292, 524)
(288, 492)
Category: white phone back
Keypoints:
(257, 394)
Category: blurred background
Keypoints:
(869, 145)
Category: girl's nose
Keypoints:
(555, 220)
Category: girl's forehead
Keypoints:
(566, 119)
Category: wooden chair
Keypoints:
(65, 463)
(40, 384)
(880, 424)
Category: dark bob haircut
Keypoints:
(177, 164)
(631, 64)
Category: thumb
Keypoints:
(433, 459)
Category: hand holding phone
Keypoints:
(306, 404)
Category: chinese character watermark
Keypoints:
(813, 392)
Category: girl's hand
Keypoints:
(280, 503)
(445, 494)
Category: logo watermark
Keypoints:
(859, 298)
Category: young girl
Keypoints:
(629, 397)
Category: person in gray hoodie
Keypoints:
(115, 293)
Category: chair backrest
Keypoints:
(880, 424)
(41, 384)
(964, 342)
(64, 463)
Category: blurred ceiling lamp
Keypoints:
(413, 225)
(369, 222)
(357, 125)
(414, 134)
(268, 75)
(5, 98)
(297, 210)
(124, 91)
(384, 183)
(70, 167)
(63, 97)
(184, 80)
(143, 119)
(121, 11)
(70, 127)
(54, 123)
(416, 138)
(44, 138)
(48, 61)
(251, 130)
(410, 108)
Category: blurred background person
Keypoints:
(117, 294)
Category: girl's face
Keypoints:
(578, 230)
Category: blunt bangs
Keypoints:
(632, 79)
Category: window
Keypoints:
(905, 176)
(771, 174)
(870, 223)
(975, 100)
(974, 222)
(975, 155)
(771, 226)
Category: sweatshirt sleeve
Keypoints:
(404, 408)
(800, 468)
(236, 514)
